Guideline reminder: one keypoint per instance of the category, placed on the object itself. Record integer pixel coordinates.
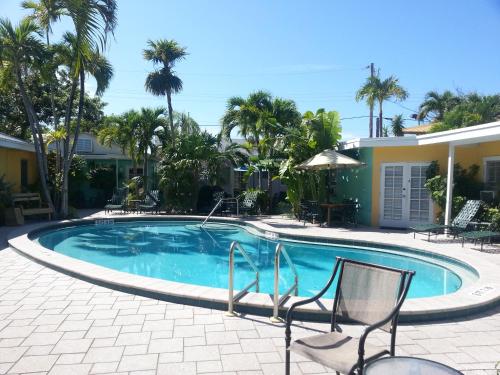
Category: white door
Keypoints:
(404, 200)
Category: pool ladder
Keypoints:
(277, 300)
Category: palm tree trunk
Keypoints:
(270, 190)
(69, 159)
(145, 171)
(33, 121)
(170, 115)
(380, 126)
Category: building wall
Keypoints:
(464, 155)
(10, 166)
(356, 183)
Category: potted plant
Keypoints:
(9, 214)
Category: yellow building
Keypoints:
(17, 162)
(390, 188)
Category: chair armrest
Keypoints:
(289, 314)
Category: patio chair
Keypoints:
(249, 202)
(151, 202)
(481, 236)
(117, 201)
(365, 293)
(458, 225)
(310, 211)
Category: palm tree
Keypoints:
(436, 104)
(261, 120)
(376, 89)
(398, 125)
(163, 81)
(149, 121)
(21, 52)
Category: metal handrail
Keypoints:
(232, 298)
(218, 204)
(277, 301)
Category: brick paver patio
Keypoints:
(51, 323)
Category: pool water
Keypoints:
(185, 252)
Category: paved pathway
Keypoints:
(52, 323)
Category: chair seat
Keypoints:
(427, 227)
(335, 350)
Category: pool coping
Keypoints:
(479, 296)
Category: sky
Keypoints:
(314, 52)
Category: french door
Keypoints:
(404, 200)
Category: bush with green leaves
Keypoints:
(466, 186)
(5, 192)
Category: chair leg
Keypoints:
(287, 362)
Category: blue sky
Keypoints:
(315, 53)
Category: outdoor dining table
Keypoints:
(408, 365)
(333, 206)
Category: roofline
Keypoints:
(473, 134)
(15, 143)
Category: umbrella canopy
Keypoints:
(329, 159)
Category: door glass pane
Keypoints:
(393, 193)
(419, 195)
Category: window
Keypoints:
(84, 146)
(24, 173)
(492, 174)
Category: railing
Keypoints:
(217, 206)
(232, 298)
(277, 301)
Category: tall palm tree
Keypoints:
(397, 125)
(380, 90)
(436, 104)
(21, 52)
(163, 81)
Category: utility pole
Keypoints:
(372, 74)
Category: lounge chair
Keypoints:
(249, 202)
(117, 202)
(478, 236)
(151, 202)
(458, 225)
(366, 293)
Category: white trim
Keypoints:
(473, 134)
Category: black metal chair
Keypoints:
(310, 211)
(366, 293)
(151, 202)
(249, 202)
(118, 201)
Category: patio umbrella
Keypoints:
(328, 160)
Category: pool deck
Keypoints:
(57, 324)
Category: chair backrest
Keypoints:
(250, 199)
(368, 293)
(466, 214)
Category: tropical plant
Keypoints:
(263, 121)
(149, 121)
(164, 81)
(397, 126)
(473, 109)
(379, 90)
(435, 105)
(317, 132)
(193, 157)
(22, 53)
(80, 54)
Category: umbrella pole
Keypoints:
(328, 186)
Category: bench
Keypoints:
(22, 198)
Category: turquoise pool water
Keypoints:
(184, 252)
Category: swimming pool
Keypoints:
(184, 252)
